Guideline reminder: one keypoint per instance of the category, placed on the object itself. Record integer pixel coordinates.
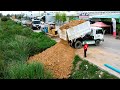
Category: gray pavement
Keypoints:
(36, 30)
(111, 44)
(107, 53)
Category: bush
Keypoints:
(76, 60)
(2, 66)
(4, 18)
(18, 43)
(18, 47)
(33, 70)
(118, 29)
(38, 42)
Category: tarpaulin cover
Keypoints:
(100, 24)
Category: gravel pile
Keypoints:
(71, 24)
(57, 59)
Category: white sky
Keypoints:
(19, 12)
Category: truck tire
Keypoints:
(78, 44)
(97, 42)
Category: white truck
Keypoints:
(77, 35)
(36, 24)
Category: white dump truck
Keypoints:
(77, 35)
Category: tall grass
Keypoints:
(76, 60)
(33, 70)
(18, 43)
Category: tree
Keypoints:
(71, 18)
(4, 18)
(60, 18)
(8, 15)
(57, 17)
(63, 17)
(1, 15)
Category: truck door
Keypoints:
(99, 34)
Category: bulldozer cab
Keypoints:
(52, 26)
(52, 29)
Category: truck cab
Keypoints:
(95, 36)
(36, 24)
(98, 33)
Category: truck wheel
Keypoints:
(78, 44)
(97, 42)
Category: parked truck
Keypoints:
(79, 34)
(36, 24)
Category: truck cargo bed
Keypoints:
(75, 32)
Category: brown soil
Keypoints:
(58, 59)
(71, 24)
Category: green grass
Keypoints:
(76, 60)
(18, 43)
(88, 71)
(33, 70)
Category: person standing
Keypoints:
(85, 49)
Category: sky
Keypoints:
(17, 12)
(28, 13)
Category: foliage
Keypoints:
(76, 60)
(18, 43)
(8, 15)
(4, 18)
(118, 27)
(1, 15)
(89, 71)
(106, 19)
(63, 17)
(60, 17)
(71, 18)
(109, 20)
(32, 70)
(57, 17)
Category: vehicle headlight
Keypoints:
(33, 25)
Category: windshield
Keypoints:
(36, 22)
(99, 31)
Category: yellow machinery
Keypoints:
(13, 17)
(52, 29)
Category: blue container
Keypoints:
(46, 30)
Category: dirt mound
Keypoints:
(71, 24)
(58, 59)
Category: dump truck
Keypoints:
(77, 35)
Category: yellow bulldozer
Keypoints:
(52, 31)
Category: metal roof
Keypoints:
(107, 16)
